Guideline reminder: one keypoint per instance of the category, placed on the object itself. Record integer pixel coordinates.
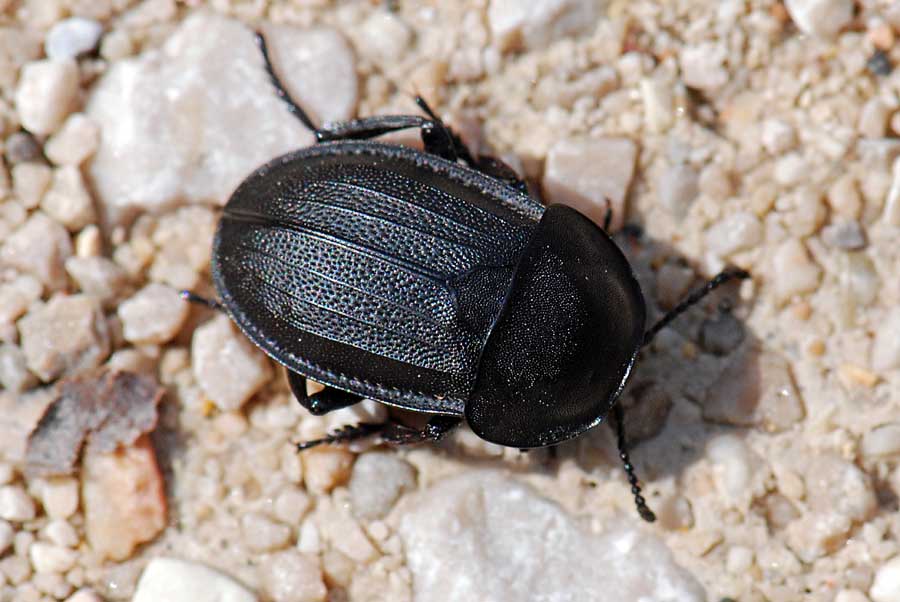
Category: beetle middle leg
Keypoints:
(326, 400)
(389, 432)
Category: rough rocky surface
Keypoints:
(763, 423)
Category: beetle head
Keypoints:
(562, 349)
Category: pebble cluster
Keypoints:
(756, 133)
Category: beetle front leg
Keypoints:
(325, 401)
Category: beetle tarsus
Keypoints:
(694, 298)
(639, 501)
(437, 427)
(195, 298)
(345, 434)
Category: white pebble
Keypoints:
(46, 94)
(734, 466)
(385, 36)
(97, 276)
(291, 505)
(795, 272)
(586, 173)
(154, 314)
(75, 141)
(326, 468)
(791, 169)
(777, 136)
(84, 595)
(736, 232)
(61, 533)
(68, 200)
(823, 18)
(50, 558)
(882, 441)
(15, 504)
(873, 118)
(739, 560)
(886, 347)
(892, 204)
(886, 585)
(659, 104)
(39, 246)
(377, 481)
(535, 24)
(14, 374)
(85, 345)
(343, 532)
(309, 540)
(677, 188)
(226, 365)
(59, 497)
(850, 595)
(261, 534)
(72, 37)
(30, 182)
(176, 580)
(702, 65)
(6, 536)
(292, 576)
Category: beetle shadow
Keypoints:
(698, 379)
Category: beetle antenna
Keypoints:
(639, 501)
(282, 93)
(692, 299)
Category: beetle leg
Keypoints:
(344, 434)
(692, 299)
(639, 500)
(435, 430)
(326, 400)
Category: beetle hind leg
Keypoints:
(389, 432)
(325, 401)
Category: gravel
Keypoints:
(758, 134)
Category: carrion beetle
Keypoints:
(431, 281)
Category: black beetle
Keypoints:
(431, 281)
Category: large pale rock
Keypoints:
(586, 173)
(188, 122)
(176, 580)
(482, 536)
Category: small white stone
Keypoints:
(850, 595)
(154, 314)
(377, 481)
(116, 45)
(292, 576)
(30, 182)
(873, 118)
(739, 560)
(886, 347)
(702, 65)
(75, 141)
(39, 246)
(791, 169)
(734, 465)
(844, 235)
(343, 532)
(385, 36)
(59, 497)
(886, 585)
(678, 188)
(61, 533)
(777, 136)
(795, 273)
(68, 200)
(17, 295)
(14, 374)
(72, 37)
(824, 18)
(89, 242)
(535, 24)
(85, 345)
(176, 580)
(715, 182)
(736, 232)
(291, 505)
(15, 504)
(6, 536)
(309, 540)
(46, 94)
(883, 441)
(586, 173)
(226, 365)
(84, 595)
(262, 534)
(97, 276)
(892, 203)
(659, 104)
(50, 558)
(325, 468)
